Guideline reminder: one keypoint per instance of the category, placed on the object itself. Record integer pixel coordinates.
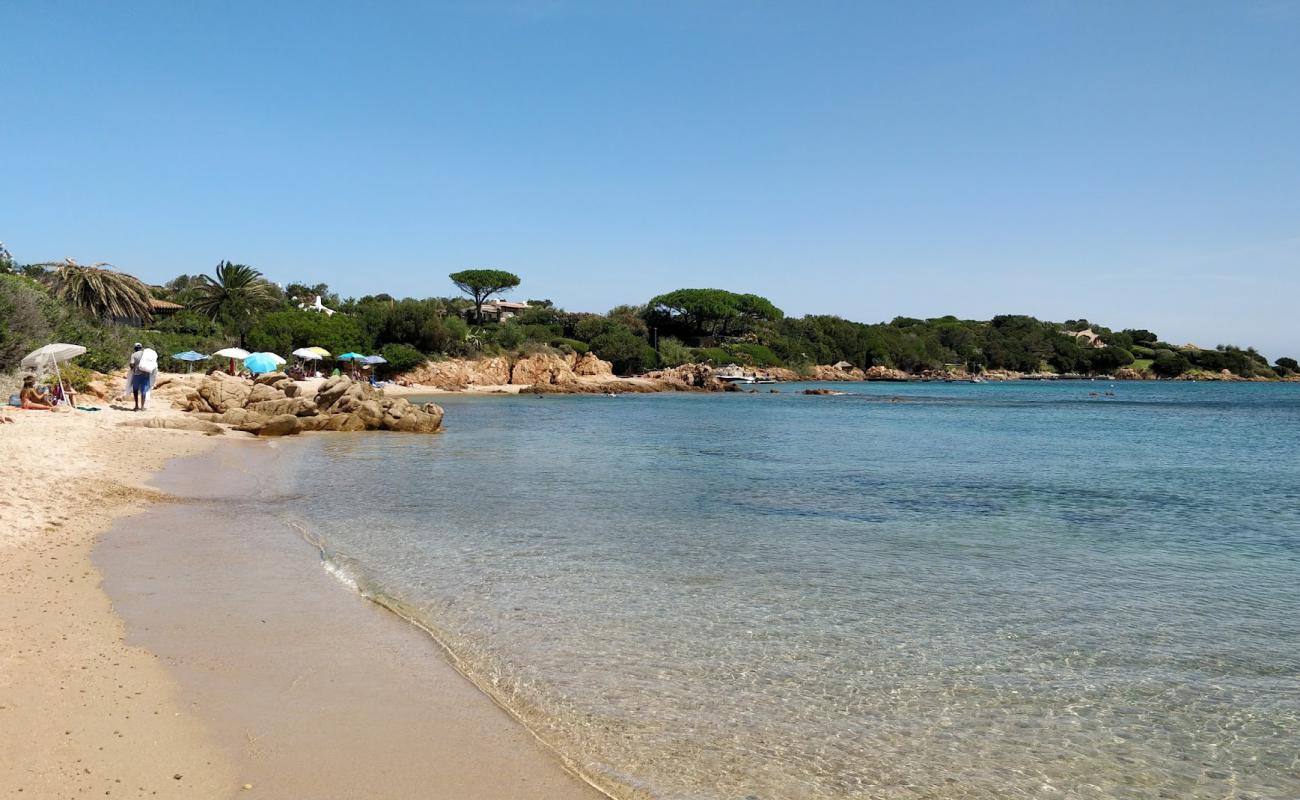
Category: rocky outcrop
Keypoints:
(270, 406)
(176, 424)
(824, 372)
(536, 369)
(588, 365)
(1129, 374)
(456, 374)
(222, 392)
(542, 369)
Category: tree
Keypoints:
(24, 321)
(100, 292)
(708, 311)
(1170, 364)
(235, 296)
(1290, 365)
(287, 330)
(481, 284)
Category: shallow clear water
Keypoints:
(912, 591)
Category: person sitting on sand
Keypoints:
(32, 398)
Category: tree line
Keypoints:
(106, 310)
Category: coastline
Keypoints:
(97, 698)
(311, 689)
(81, 711)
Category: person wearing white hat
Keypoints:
(142, 374)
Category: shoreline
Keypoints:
(90, 704)
(313, 690)
(81, 711)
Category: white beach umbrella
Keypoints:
(233, 352)
(49, 356)
(307, 353)
(52, 354)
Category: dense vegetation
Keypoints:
(105, 310)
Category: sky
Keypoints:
(1134, 163)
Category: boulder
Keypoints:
(402, 416)
(222, 392)
(331, 390)
(261, 393)
(587, 364)
(176, 424)
(270, 378)
(542, 368)
(297, 406)
(282, 425)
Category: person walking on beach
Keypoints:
(142, 373)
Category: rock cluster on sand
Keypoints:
(271, 406)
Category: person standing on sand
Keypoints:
(142, 374)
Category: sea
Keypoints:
(1074, 589)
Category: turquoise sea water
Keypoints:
(910, 591)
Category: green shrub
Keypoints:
(712, 355)
(509, 336)
(754, 354)
(1140, 351)
(401, 358)
(24, 319)
(1168, 364)
(76, 376)
(572, 345)
(673, 353)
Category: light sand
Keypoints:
(81, 713)
(304, 691)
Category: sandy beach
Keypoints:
(81, 713)
(86, 711)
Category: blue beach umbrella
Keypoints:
(374, 360)
(258, 363)
(349, 356)
(189, 355)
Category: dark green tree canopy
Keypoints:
(237, 295)
(709, 312)
(481, 284)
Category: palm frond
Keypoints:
(98, 291)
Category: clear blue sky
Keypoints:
(1137, 163)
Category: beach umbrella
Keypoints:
(374, 360)
(232, 353)
(258, 363)
(320, 351)
(189, 355)
(350, 356)
(277, 359)
(49, 356)
(52, 354)
(307, 354)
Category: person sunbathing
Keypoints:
(34, 399)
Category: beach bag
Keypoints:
(148, 361)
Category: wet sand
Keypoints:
(309, 689)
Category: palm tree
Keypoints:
(99, 291)
(236, 296)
